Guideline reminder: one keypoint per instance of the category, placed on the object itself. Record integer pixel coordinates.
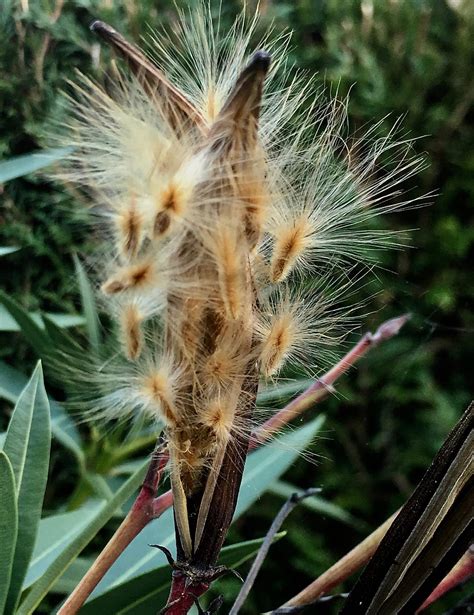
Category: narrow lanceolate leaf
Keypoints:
(89, 307)
(55, 534)
(428, 536)
(7, 250)
(145, 592)
(12, 382)
(8, 525)
(57, 568)
(23, 165)
(27, 445)
(8, 323)
(33, 333)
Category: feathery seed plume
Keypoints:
(224, 181)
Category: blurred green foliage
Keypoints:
(408, 58)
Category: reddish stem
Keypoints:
(183, 594)
(323, 386)
(343, 568)
(463, 570)
(138, 517)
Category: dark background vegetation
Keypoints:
(410, 58)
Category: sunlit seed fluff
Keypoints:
(171, 203)
(218, 415)
(230, 266)
(130, 277)
(279, 336)
(224, 176)
(291, 239)
(132, 335)
(156, 389)
(130, 230)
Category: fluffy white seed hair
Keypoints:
(217, 188)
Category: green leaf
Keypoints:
(266, 464)
(280, 391)
(88, 306)
(39, 590)
(8, 323)
(8, 525)
(55, 534)
(64, 430)
(98, 485)
(263, 467)
(27, 445)
(63, 343)
(72, 576)
(34, 335)
(4, 250)
(318, 505)
(23, 165)
(146, 593)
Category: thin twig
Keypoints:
(292, 501)
(324, 385)
(342, 569)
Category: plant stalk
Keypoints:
(463, 570)
(342, 569)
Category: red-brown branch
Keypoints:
(138, 517)
(343, 568)
(463, 570)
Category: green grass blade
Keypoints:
(61, 563)
(23, 165)
(33, 333)
(27, 445)
(12, 382)
(8, 525)
(88, 306)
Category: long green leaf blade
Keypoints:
(12, 382)
(27, 445)
(4, 250)
(8, 525)
(33, 333)
(55, 534)
(8, 323)
(88, 306)
(23, 165)
(60, 564)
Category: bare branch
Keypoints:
(292, 501)
(344, 568)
